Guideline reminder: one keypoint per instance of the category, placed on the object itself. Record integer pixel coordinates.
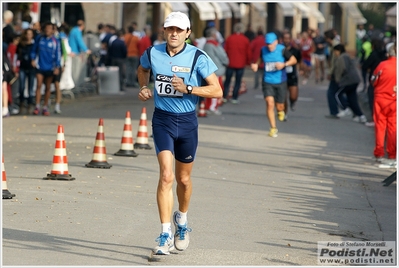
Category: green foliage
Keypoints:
(374, 13)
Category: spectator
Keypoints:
(155, 35)
(8, 29)
(37, 29)
(360, 33)
(218, 55)
(46, 58)
(377, 55)
(238, 50)
(249, 33)
(256, 47)
(76, 39)
(26, 21)
(160, 39)
(133, 57)
(105, 30)
(118, 54)
(145, 41)
(26, 70)
(219, 36)
(333, 85)
(8, 76)
(13, 57)
(384, 80)
(135, 31)
(66, 82)
(347, 78)
(365, 52)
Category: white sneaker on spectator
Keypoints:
(360, 119)
(346, 112)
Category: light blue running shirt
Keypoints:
(191, 64)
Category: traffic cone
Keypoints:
(59, 170)
(142, 133)
(127, 139)
(99, 159)
(6, 193)
(202, 112)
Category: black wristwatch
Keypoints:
(189, 89)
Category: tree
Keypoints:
(374, 13)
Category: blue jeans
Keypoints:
(229, 74)
(23, 74)
(332, 101)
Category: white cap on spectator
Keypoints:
(177, 19)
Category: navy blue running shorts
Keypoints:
(278, 91)
(177, 133)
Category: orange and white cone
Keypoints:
(142, 133)
(6, 193)
(127, 139)
(99, 159)
(202, 111)
(59, 170)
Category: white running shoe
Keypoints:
(165, 244)
(182, 239)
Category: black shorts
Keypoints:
(46, 74)
(292, 80)
(57, 78)
(278, 91)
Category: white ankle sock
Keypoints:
(167, 228)
(181, 217)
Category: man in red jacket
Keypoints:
(238, 50)
(384, 81)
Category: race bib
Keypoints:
(164, 88)
(270, 67)
(289, 69)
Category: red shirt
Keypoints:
(385, 80)
(306, 48)
(256, 46)
(238, 50)
(144, 43)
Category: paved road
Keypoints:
(257, 200)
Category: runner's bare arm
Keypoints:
(211, 90)
(143, 76)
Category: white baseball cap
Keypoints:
(177, 19)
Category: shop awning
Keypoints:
(391, 16)
(261, 8)
(205, 10)
(236, 10)
(288, 9)
(317, 14)
(303, 8)
(178, 6)
(353, 12)
(222, 9)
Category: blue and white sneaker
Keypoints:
(165, 244)
(182, 239)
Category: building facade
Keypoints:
(293, 16)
